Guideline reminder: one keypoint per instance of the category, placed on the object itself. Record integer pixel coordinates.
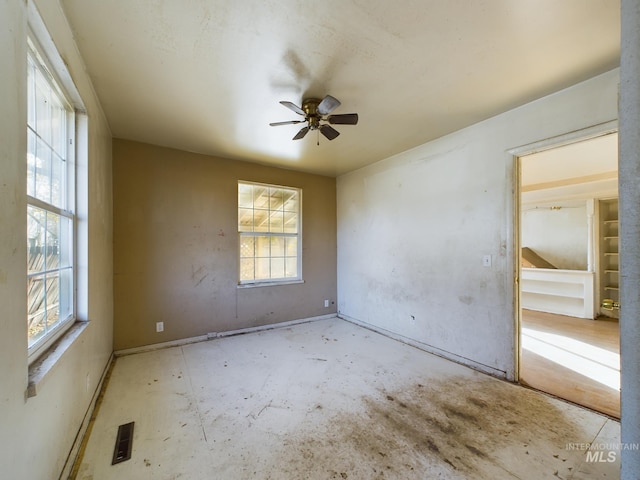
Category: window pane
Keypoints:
(66, 293)
(245, 220)
(36, 239)
(291, 267)
(245, 195)
(276, 222)
(58, 126)
(291, 201)
(247, 245)
(247, 266)
(31, 94)
(43, 171)
(277, 246)
(43, 107)
(276, 199)
(52, 239)
(260, 220)
(36, 311)
(31, 163)
(53, 299)
(65, 242)
(277, 267)
(260, 197)
(262, 269)
(290, 222)
(262, 246)
(57, 181)
(291, 246)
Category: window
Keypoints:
(50, 206)
(269, 225)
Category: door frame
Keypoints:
(513, 168)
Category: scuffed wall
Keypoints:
(176, 246)
(37, 433)
(413, 230)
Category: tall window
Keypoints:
(50, 206)
(269, 224)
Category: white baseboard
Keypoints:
(212, 335)
(73, 456)
(159, 346)
(272, 326)
(428, 348)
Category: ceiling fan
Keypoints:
(316, 111)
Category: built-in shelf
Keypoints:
(609, 253)
(565, 292)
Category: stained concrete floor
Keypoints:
(330, 399)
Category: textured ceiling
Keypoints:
(207, 75)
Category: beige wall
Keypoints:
(37, 433)
(176, 246)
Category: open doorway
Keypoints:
(569, 335)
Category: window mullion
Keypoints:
(36, 202)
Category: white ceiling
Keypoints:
(580, 170)
(207, 75)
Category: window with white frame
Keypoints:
(269, 226)
(50, 205)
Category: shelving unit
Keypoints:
(564, 292)
(609, 266)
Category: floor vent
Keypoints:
(124, 441)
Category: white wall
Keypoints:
(412, 230)
(558, 236)
(36, 434)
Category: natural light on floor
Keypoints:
(593, 362)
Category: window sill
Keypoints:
(40, 369)
(269, 284)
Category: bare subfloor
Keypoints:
(328, 400)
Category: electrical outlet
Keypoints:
(326, 303)
(159, 326)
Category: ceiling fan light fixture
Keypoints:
(316, 111)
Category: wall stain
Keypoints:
(201, 279)
(453, 429)
(466, 299)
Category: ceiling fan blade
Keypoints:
(291, 122)
(343, 119)
(328, 105)
(303, 131)
(294, 107)
(329, 132)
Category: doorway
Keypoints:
(568, 272)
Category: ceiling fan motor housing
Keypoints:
(310, 107)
